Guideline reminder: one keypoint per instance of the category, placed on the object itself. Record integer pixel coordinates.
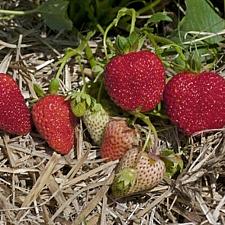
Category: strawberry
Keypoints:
(55, 122)
(196, 101)
(15, 116)
(137, 171)
(95, 122)
(117, 139)
(135, 80)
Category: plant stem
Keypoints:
(148, 7)
(100, 91)
(104, 39)
(151, 128)
(100, 29)
(18, 12)
(64, 60)
(133, 20)
(72, 52)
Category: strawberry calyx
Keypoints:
(147, 121)
(39, 91)
(123, 181)
(54, 86)
(81, 102)
(173, 162)
(128, 44)
(52, 90)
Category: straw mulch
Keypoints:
(38, 186)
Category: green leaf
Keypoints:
(54, 12)
(38, 90)
(195, 61)
(158, 17)
(97, 107)
(98, 69)
(173, 162)
(136, 41)
(88, 100)
(200, 17)
(122, 44)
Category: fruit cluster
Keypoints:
(136, 82)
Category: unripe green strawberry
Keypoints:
(118, 138)
(137, 171)
(95, 122)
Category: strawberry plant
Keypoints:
(136, 92)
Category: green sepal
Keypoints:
(133, 42)
(78, 109)
(54, 86)
(194, 61)
(173, 162)
(96, 107)
(123, 181)
(81, 102)
(38, 90)
(122, 45)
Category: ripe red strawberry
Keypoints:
(15, 116)
(135, 80)
(137, 172)
(196, 102)
(55, 122)
(118, 138)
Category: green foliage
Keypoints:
(89, 13)
(123, 181)
(200, 17)
(54, 12)
(173, 161)
(158, 17)
(38, 90)
(133, 42)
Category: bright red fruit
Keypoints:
(15, 116)
(196, 102)
(55, 122)
(135, 80)
(118, 138)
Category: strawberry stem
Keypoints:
(146, 142)
(148, 7)
(74, 52)
(18, 12)
(64, 60)
(121, 13)
(100, 91)
(133, 20)
(151, 128)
